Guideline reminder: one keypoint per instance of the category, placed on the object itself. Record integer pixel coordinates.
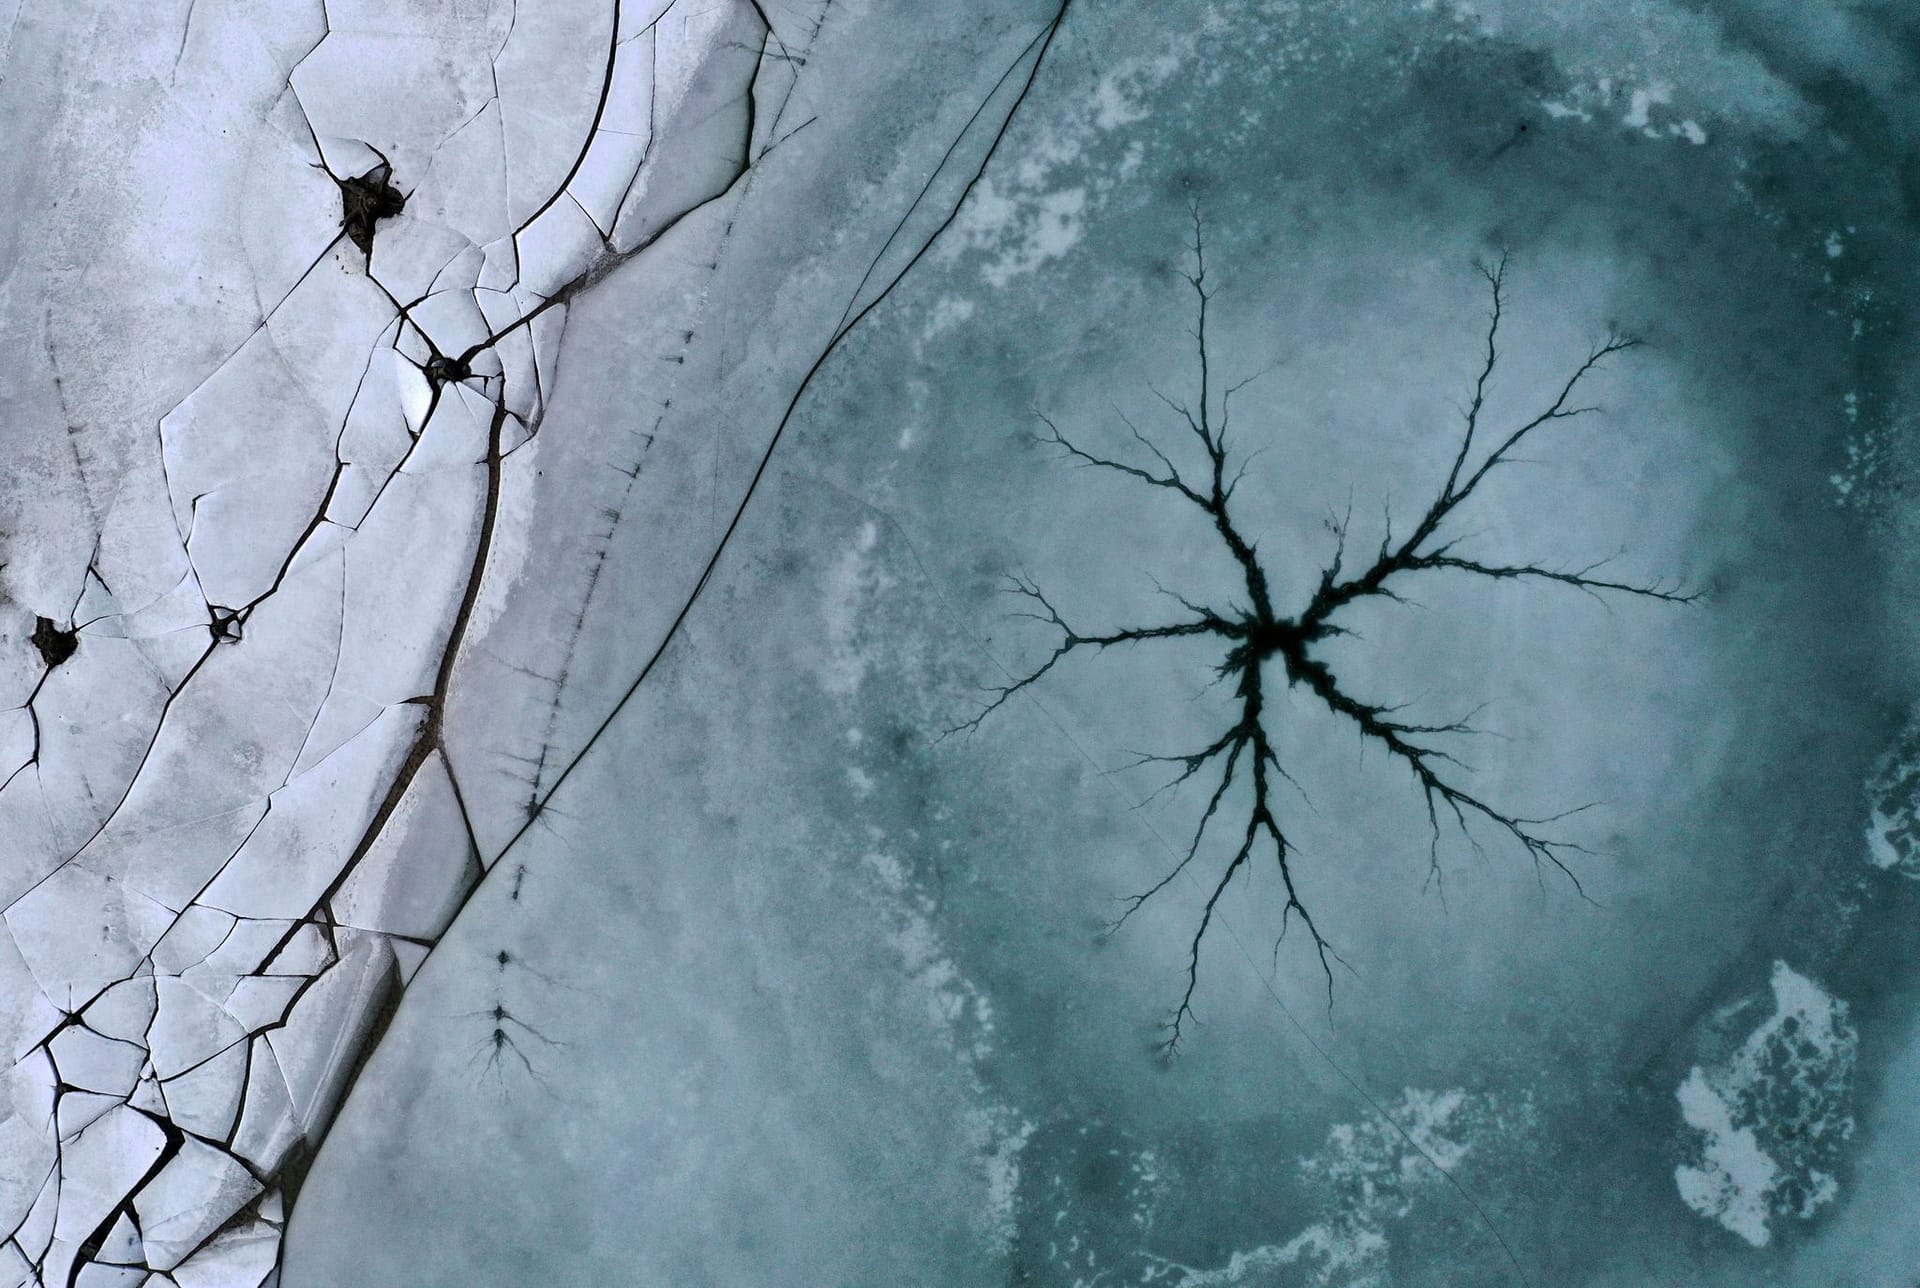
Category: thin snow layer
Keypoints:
(1774, 1117)
(1368, 1175)
(1893, 809)
(232, 828)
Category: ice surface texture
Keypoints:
(504, 529)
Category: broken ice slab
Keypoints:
(205, 1099)
(250, 453)
(313, 825)
(316, 1049)
(194, 935)
(122, 1243)
(268, 1129)
(125, 1010)
(241, 1257)
(401, 91)
(100, 1168)
(77, 1110)
(95, 1063)
(702, 111)
(417, 872)
(193, 1195)
(71, 968)
(189, 1027)
(551, 75)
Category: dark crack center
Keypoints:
(55, 645)
(367, 199)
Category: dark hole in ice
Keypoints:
(55, 645)
(367, 199)
(441, 369)
(225, 626)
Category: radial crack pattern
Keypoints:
(1261, 645)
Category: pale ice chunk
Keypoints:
(550, 74)
(16, 739)
(96, 710)
(558, 246)
(69, 967)
(122, 1243)
(124, 1010)
(189, 1027)
(206, 1098)
(306, 954)
(404, 92)
(32, 851)
(247, 946)
(451, 319)
(418, 872)
(465, 186)
(242, 1257)
(259, 1001)
(95, 1063)
(96, 1275)
(229, 739)
(36, 1230)
(197, 933)
(407, 957)
(101, 1166)
(147, 1097)
(267, 1127)
(78, 1110)
(379, 433)
(455, 435)
(322, 1037)
(313, 825)
(194, 1194)
(410, 252)
(702, 110)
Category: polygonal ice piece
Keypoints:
(247, 946)
(198, 932)
(206, 1098)
(124, 1011)
(100, 1168)
(417, 873)
(80, 932)
(238, 1258)
(314, 824)
(122, 1244)
(557, 247)
(189, 1027)
(262, 1000)
(78, 1110)
(305, 954)
(550, 76)
(702, 109)
(322, 1036)
(198, 1189)
(268, 1127)
(94, 1063)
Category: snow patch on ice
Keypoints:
(1774, 1116)
(1371, 1173)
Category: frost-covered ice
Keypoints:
(234, 826)
(1774, 1117)
(502, 516)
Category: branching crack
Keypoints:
(1256, 634)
